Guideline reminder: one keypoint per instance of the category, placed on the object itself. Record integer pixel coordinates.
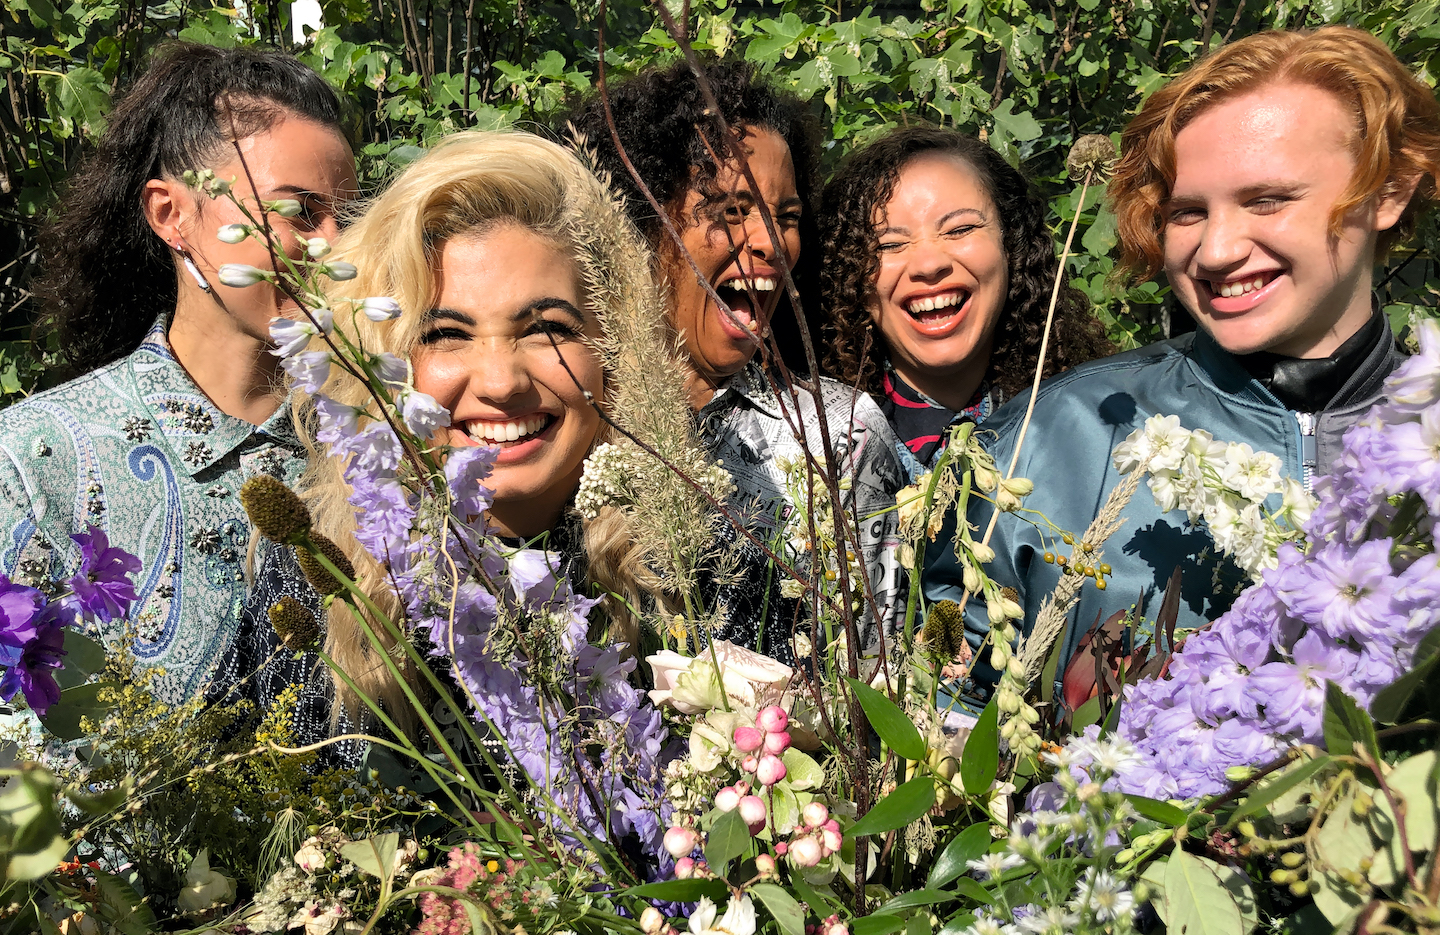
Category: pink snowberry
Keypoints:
(777, 743)
(765, 865)
(727, 798)
(769, 771)
(752, 812)
(831, 840)
(772, 719)
(815, 814)
(750, 763)
(684, 868)
(781, 848)
(680, 841)
(749, 739)
(805, 852)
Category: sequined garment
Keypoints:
(137, 449)
(745, 427)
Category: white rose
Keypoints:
(310, 858)
(689, 685)
(205, 888)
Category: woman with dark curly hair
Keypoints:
(936, 270)
(675, 144)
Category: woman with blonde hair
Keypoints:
(523, 295)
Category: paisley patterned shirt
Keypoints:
(136, 448)
(744, 426)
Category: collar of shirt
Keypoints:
(748, 388)
(197, 433)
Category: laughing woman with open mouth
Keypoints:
(676, 147)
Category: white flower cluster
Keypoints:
(1225, 485)
(614, 473)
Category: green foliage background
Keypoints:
(1029, 75)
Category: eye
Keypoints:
(789, 218)
(961, 230)
(1184, 216)
(551, 327)
(890, 246)
(438, 334)
(1269, 204)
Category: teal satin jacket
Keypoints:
(1080, 416)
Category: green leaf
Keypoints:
(980, 762)
(1390, 704)
(783, 908)
(969, 844)
(1085, 715)
(1022, 126)
(925, 897)
(877, 925)
(80, 99)
(63, 718)
(83, 658)
(127, 911)
(1275, 788)
(801, 772)
(1163, 812)
(728, 839)
(971, 888)
(680, 891)
(1346, 725)
(896, 810)
(891, 724)
(375, 856)
(1195, 901)
(919, 924)
(1102, 235)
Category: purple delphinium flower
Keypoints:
(19, 614)
(31, 670)
(1343, 591)
(102, 588)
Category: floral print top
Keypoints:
(137, 449)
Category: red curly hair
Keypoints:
(1396, 137)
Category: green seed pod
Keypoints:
(1281, 877)
(1292, 859)
(1299, 888)
(294, 623)
(1246, 828)
(274, 509)
(315, 573)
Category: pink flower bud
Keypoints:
(752, 812)
(680, 841)
(815, 814)
(750, 763)
(684, 868)
(765, 864)
(805, 852)
(742, 787)
(726, 799)
(770, 771)
(652, 920)
(781, 848)
(837, 928)
(777, 743)
(748, 739)
(831, 840)
(772, 719)
(831, 825)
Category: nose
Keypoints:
(757, 240)
(1224, 242)
(929, 261)
(498, 371)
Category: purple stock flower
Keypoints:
(1342, 590)
(1293, 693)
(102, 586)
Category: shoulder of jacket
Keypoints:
(83, 387)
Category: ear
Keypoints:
(168, 206)
(1394, 198)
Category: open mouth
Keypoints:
(736, 291)
(933, 308)
(508, 434)
(1235, 288)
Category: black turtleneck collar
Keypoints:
(1313, 384)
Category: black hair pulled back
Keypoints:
(672, 141)
(850, 259)
(106, 274)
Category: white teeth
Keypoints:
(506, 431)
(932, 302)
(1230, 289)
(759, 284)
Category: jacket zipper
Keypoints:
(1308, 454)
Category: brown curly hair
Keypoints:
(1396, 138)
(849, 262)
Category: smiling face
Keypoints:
(1246, 228)
(486, 353)
(294, 159)
(942, 279)
(729, 243)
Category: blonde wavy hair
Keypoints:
(467, 184)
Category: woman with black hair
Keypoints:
(935, 256)
(180, 401)
(675, 144)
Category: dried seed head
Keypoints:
(315, 573)
(294, 624)
(1092, 155)
(274, 509)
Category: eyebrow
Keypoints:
(941, 223)
(526, 312)
(1274, 186)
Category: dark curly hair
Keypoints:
(849, 261)
(106, 274)
(669, 136)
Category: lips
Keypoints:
(1240, 293)
(937, 314)
(508, 433)
(736, 290)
